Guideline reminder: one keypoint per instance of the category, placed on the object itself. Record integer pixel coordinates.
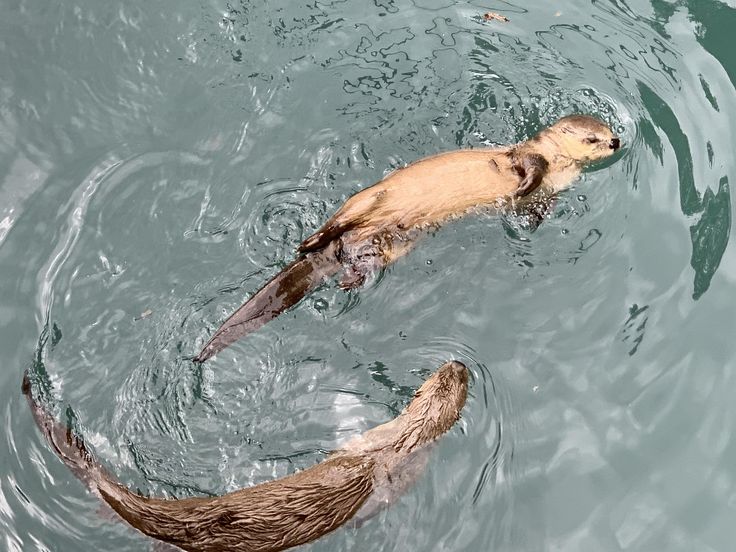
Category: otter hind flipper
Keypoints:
(532, 168)
(352, 278)
(283, 291)
(365, 259)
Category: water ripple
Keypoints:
(161, 164)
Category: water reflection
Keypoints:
(711, 231)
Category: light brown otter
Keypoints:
(381, 223)
(361, 477)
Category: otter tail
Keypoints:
(67, 445)
(268, 517)
(283, 291)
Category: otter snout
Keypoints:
(614, 144)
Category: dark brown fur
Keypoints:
(365, 474)
(381, 223)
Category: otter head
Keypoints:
(436, 406)
(448, 385)
(582, 138)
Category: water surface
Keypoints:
(159, 161)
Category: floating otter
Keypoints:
(381, 223)
(360, 478)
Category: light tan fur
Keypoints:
(378, 225)
(430, 191)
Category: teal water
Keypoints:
(159, 161)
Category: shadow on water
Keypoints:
(711, 231)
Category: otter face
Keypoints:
(443, 395)
(584, 138)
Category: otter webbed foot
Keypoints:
(529, 183)
(351, 279)
(527, 218)
(531, 168)
(363, 260)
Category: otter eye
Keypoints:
(591, 140)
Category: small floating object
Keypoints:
(145, 314)
(493, 16)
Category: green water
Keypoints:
(159, 161)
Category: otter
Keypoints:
(381, 223)
(363, 476)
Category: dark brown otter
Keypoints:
(365, 474)
(381, 223)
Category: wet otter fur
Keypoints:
(364, 475)
(381, 223)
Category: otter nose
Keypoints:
(614, 144)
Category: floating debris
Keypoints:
(145, 314)
(491, 16)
